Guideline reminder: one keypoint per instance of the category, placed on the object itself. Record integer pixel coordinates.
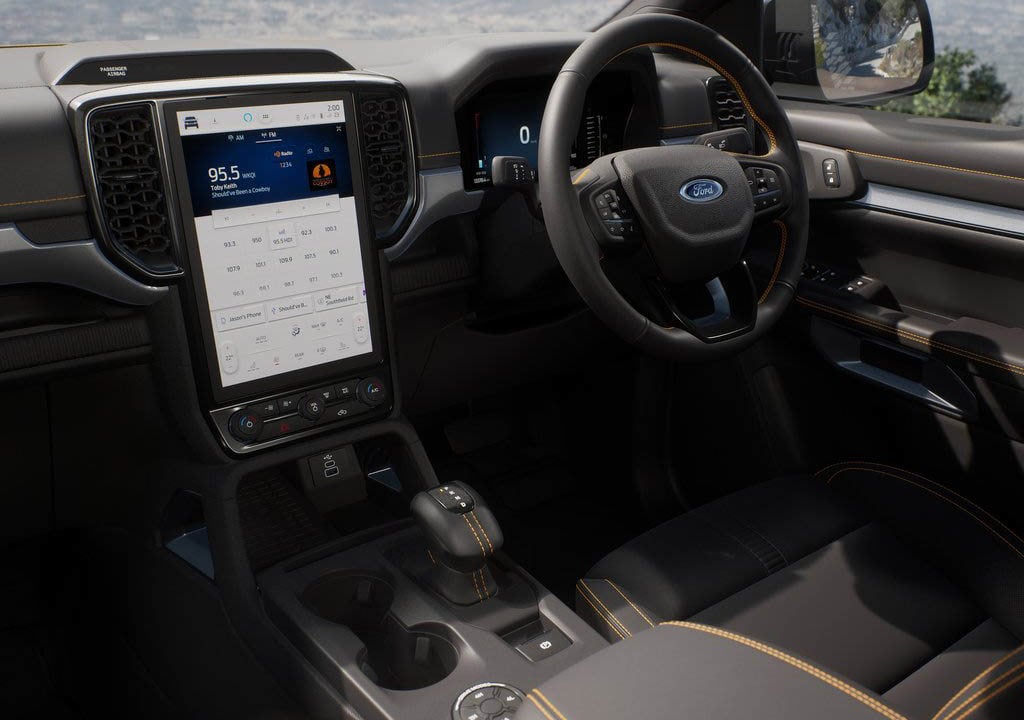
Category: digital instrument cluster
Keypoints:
(504, 119)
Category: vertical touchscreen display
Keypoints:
(275, 218)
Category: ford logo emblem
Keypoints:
(701, 190)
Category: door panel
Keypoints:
(974, 161)
(914, 293)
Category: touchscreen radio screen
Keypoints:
(275, 219)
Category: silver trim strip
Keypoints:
(964, 213)
(80, 264)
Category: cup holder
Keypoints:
(394, 656)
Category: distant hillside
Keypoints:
(994, 29)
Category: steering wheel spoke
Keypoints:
(722, 309)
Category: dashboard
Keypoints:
(277, 200)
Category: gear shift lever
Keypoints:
(463, 534)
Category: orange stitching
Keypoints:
(685, 125)
(616, 587)
(997, 693)
(549, 704)
(441, 154)
(600, 615)
(479, 594)
(473, 530)
(45, 200)
(540, 707)
(483, 530)
(483, 583)
(970, 502)
(800, 665)
(773, 144)
(938, 495)
(578, 178)
(954, 168)
(982, 691)
(783, 237)
(612, 615)
(913, 337)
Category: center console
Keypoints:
(361, 582)
(428, 622)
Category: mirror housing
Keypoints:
(849, 51)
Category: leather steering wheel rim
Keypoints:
(571, 239)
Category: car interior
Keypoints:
(644, 371)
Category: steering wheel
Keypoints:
(671, 223)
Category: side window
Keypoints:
(979, 63)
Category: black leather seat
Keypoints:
(868, 571)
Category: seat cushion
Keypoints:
(880, 576)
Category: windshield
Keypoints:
(61, 21)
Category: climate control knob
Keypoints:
(372, 391)
(245, 425)
(311, 407)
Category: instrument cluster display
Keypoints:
(504, 119)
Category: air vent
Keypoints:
(132, 204)
(726, 104)
(388, 163)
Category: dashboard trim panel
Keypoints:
(79, 264)
(947, 210)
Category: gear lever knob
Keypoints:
(463, 534)
(458, 525)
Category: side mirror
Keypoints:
(849, 51)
